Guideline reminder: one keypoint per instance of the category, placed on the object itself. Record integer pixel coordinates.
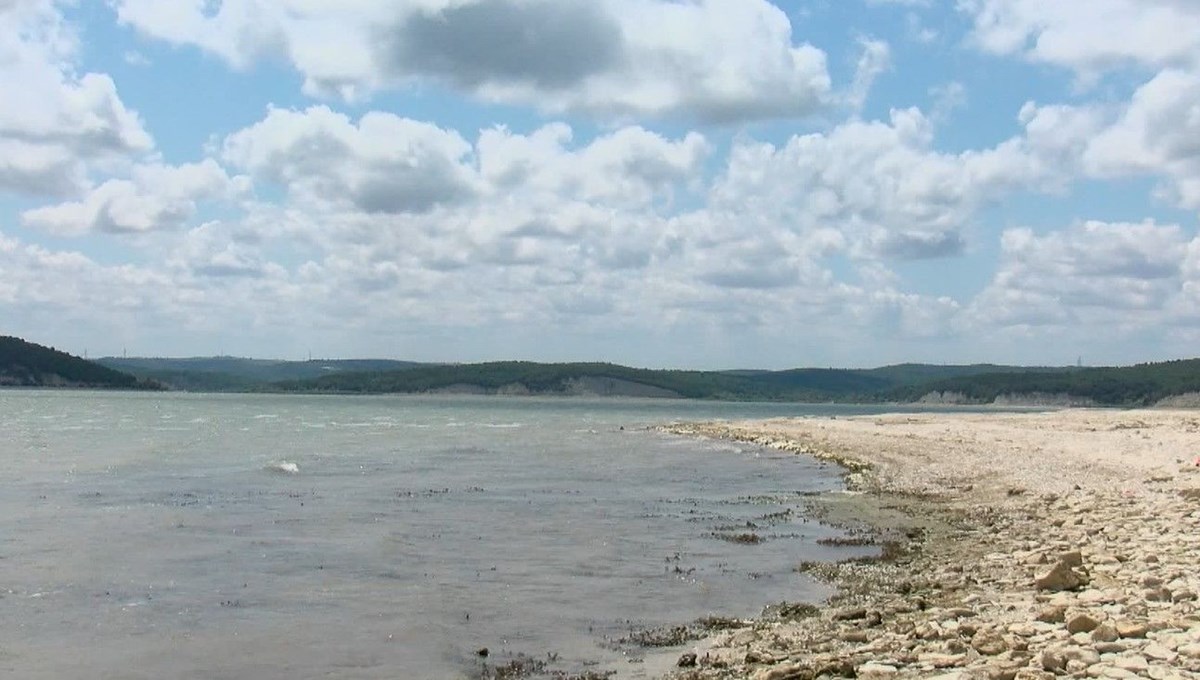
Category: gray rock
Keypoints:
(1071, 559)
(1158, 652)
(1082, 623)
(1054, 614)
(1105, 632)
(1060, 577)
(989, 644)
(1131, 629)
(1053, 660)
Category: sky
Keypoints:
(664, 183)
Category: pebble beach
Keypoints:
(1014, 546)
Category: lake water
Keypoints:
(257, 536)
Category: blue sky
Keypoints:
(679, 183)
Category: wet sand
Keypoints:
(1013, 546)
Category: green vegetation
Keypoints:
(234, 374)
(26, 364)
(1140, 385)
(809, 384)
(537, 378)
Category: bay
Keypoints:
(275, 536)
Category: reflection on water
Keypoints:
(199, 536)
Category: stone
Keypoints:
(1158, 652)
(1054, 614)
(1192, 651)
(1183, 595)
(855, 636)
(1071, 559)
(1082, 623)
(1133, 663)
(940, 660)
(1084, 655)
(841, 668)
(1157, 595)
(989, 644)
(743, 638)
(1105, 632)
(999, 672)
(872, 669)
(1053, 660)
(784, 672)
(1060, 577)
(1131, 629)
(686, 660)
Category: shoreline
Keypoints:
(1029, 545)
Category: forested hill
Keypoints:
(1130, 386)
(236, 374)
(27, 364)
(1171, 383)
(517, 377)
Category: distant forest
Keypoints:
(1140, 385)
(1130, 386)
(27, 364)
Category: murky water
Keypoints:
(243, 536)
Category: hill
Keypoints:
(27, 364)
(1126, 386)
(977, 384)
(235, 374)
(805, 384)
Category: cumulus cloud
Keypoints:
(545, 44)
(723, 60)
(155, 197)
(55, 120)
(1158, 133)
(381, 164)
(1104, 35)
(881, 185)
(629, 166)
(1121, 273)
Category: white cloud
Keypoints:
(882, 186)
(55, 120)
(1094, 274)
(629, 166)
(1090, 38)
(876, 58)
(155, 197)
(1157, 134)
(947, 98)
(712, 60)
(382, 164)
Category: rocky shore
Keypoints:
(1015, 546)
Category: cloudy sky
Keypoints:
(677, 183)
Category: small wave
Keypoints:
(265, 416)
(500, 426)
(282, 467)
